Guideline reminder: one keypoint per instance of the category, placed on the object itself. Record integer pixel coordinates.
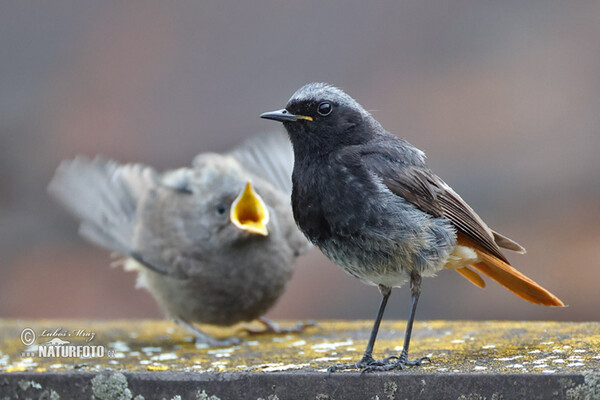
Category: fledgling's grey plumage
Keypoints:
(196, 263)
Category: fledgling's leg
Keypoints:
(403, 361)
(202, 337)
(273, 327)
(368, 359)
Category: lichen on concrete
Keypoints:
(476, 396)
(26, 384)
(589, 390)
(111, 387)
(202, 395)
(479, 347)
(269, 397)
(31, 385)
(390, 388)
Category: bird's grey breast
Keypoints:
(380, 234)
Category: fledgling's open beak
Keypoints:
(249, 212)
(284, 115)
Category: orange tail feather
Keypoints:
(510, 278)
(472, 276)
(515, 281)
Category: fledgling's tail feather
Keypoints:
(103, 196)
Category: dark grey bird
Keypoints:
(215, 243)
(367, 199)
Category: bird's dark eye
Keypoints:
(221, 209)
(324, 109)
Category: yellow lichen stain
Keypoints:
(463, 346)
(15, 368)
(157, 368)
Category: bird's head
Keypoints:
(320, 117)
(228, 199)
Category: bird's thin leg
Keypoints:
(202, 337)
(403, 361)
(368, 359)
(415, 288)
(273, 327)
(385, 292)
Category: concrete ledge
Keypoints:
(156, 359)
(297, 385)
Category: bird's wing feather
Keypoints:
(507, 243)
(421, 187)
(428, 192)
(268, 156)
(103, 195)
(178, 180)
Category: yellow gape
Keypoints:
(249, 212)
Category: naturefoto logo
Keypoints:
(56, 343)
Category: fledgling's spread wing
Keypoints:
(103, 195)
(268, 156)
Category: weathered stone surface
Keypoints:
(157, 359)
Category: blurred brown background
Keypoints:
(503, 96)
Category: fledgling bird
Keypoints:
(367, 199)
(215, 243)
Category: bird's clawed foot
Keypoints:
(204, 339)
(393, 362)
(366, 362)
(273, 327)
(369, 364)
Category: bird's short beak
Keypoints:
(249, 212)
(284, 115)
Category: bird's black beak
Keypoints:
(284, 115)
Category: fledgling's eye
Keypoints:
(221, 209)
(324, 108)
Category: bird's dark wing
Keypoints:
(414, 182)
